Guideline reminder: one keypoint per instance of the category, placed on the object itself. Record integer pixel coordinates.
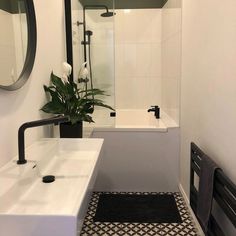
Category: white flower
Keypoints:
(83, 73)
(66, 69)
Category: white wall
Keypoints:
(171, 58)
(23, 105)
(208, 97)
(138, 58)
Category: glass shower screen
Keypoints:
(93, 49)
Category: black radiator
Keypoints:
(224, 193)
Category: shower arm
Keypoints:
(84, 23)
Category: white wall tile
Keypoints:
(143, 60)
(138, 56)
(156, 36)
(119, 60)
(171, 58)
(155, 91)
(156, 60)
(130, 60)
(145, 26)
(126, 26)
(125, 93)
(119, 27)
(141, 91)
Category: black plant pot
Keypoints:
(67, 130)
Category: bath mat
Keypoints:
(137, 208)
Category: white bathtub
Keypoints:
(141, 153)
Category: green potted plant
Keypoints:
(66, 98)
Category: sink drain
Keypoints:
(48, 179)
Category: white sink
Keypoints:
(29, 207)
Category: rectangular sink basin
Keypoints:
(29, 207)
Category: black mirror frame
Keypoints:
(31, 48)
(69, 44)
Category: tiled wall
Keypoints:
(138, 58)
(147, 55)
(171, 58)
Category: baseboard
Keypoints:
(186, 199)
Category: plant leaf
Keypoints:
(52, 108)
(59, 85)
(67, 99)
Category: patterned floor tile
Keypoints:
(91, 228)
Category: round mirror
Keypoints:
(17, 42)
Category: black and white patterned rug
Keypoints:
(91, 228)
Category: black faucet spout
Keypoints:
(21, 133)
(156, 110)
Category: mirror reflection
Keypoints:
(13, 40)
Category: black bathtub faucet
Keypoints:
(21, 133)
(156, 110)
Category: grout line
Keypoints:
(186, 199)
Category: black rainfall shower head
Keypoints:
(105, 14)
(108, 14)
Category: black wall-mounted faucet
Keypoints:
(21, 133)
(156, 110)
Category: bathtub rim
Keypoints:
(165, 123)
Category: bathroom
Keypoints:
(176, 54)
